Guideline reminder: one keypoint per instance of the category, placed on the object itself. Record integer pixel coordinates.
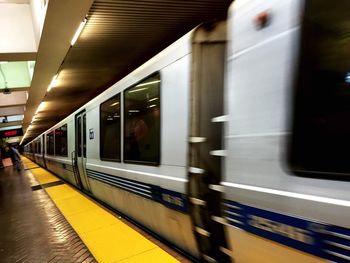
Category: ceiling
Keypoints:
(118, 37)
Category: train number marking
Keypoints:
(278, 228)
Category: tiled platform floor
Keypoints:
(31, 227)
(109, 237)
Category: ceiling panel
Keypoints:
(9, 111)
(16, 74)
(13, 99)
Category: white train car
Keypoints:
(236, 153)
(286, 180)
(128, 147)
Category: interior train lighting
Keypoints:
(148, 83)
(113, 104)
(153, 99)
(137, 90)
(77, 33)
(347, 78)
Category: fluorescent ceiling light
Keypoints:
(22, 139)
(77, 33)
(40, 108)
(151, 106)
(53, 83)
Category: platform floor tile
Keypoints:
(153, 255)
(32, 229)
(108, 238)
(43, 177)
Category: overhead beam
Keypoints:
(10, 123)
(18, 56)
(16, 89)
(63, 17)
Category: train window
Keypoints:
(321, 129)
(110, 129)
(39, 147)
(61, 141)
(84, 135)
(142, 122)
(50, 143)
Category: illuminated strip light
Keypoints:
(315, 198)
(153, 99)
(41, 106)
(53, 83)
(25, 135)
(137, 90)
(22, 139)
(78, 32)
(115, 103)
(148, 83)
(142, 173)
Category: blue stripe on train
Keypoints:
(171, 199)
(325, 241)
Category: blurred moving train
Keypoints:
(231, 150)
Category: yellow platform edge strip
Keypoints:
(107, 237)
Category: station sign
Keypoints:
(11, 133)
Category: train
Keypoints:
(231, 144)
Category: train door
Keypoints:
(43, 144)
(80, 151)
(205, 142)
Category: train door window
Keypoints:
(64, 143)
(142, 122)
(61, 141)
(321, 130)
(84, 135)
(79, 136)
(57, 141)
(39, 146)
(51, 143)
(110, 129)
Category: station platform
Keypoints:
(43, 219)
